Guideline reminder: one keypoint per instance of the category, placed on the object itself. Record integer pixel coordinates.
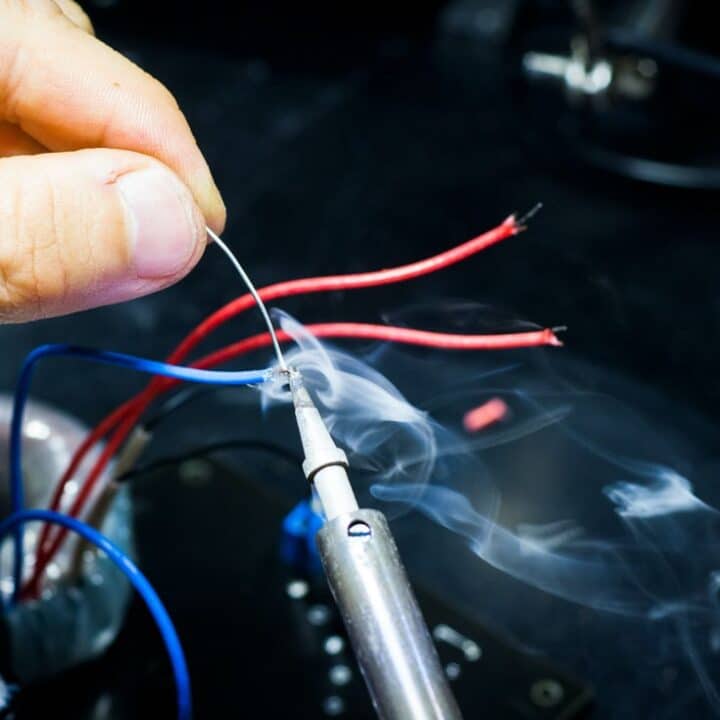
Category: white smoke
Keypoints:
(656, 561)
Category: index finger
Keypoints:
(69, 91)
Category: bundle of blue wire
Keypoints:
(14, 524)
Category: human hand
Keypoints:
(104, 194)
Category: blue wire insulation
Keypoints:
(138, 581)
(152, 367)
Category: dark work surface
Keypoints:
(250, 643)
(389, 155)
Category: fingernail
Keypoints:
(219, 213)
(164, 228)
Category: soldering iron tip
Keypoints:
(300, 395)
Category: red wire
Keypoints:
(137, 405)
(45, 556)
(355, 281)
(445, 259)
(105, 426)
(128, 414)
(385, 333)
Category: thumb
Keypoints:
(90, 228)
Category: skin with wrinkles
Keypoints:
(75, 116)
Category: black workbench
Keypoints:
(388, 151)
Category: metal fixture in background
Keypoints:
(596, 78)
(634, 79)
(592, 70)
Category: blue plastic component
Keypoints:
(298, 546)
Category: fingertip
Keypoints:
(206, 194)
(166, 227)
(95, 98)
(216, 214)
(92, 228)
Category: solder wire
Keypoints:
(256, 296)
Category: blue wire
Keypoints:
(152, 367)
(138, 581)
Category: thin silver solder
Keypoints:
(256, 296)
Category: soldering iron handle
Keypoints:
(389, 635)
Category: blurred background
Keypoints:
(357, 136)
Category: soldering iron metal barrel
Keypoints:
(391, 640)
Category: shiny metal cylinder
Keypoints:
(390, 638)
(76, 619)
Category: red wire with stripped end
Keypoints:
(124, 418)
(509, 227)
